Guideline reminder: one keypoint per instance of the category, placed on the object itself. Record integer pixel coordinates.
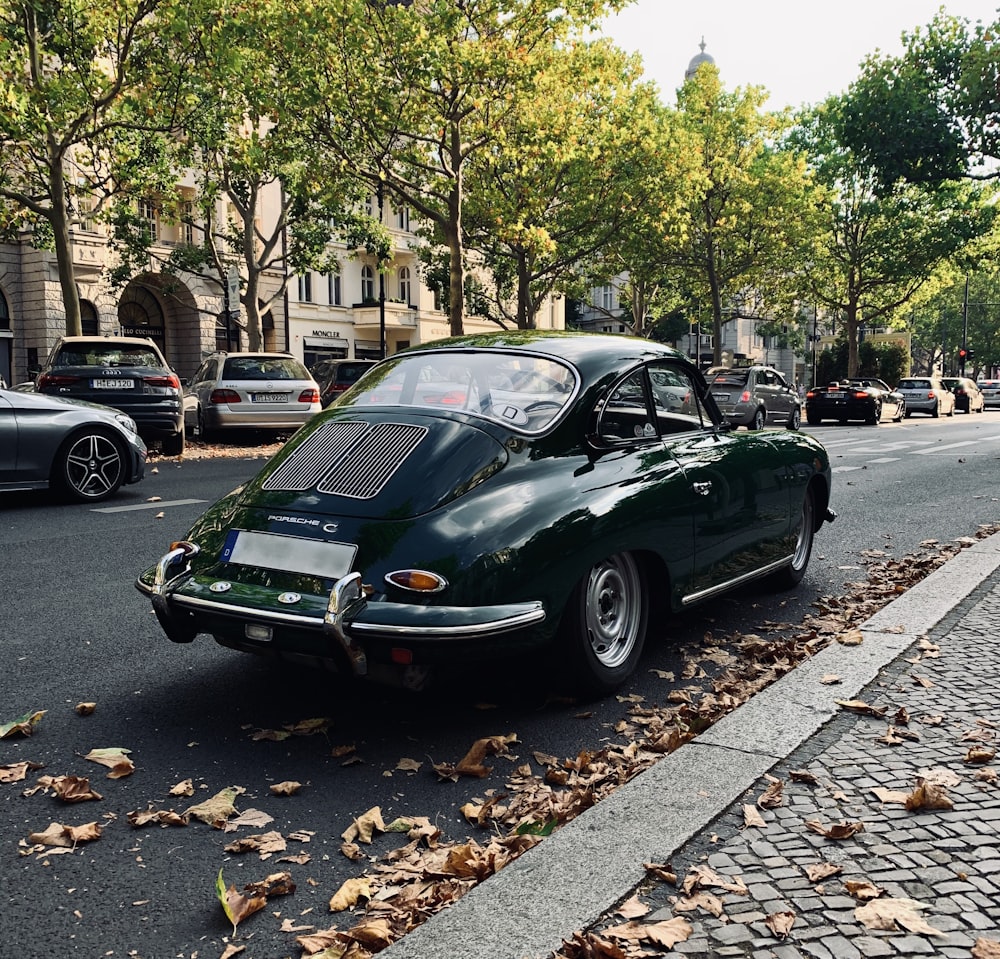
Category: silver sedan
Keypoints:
(84, 451)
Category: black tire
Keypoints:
(876, 415)
(790, 576)
(951, 412)
(605, 624)
(936, 412)
(90, 466)
(204, 433)
(900, 413)
(759, 418)
(795, 420)
(908, 413)
(173, 445)
(813, 420)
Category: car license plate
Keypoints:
(270, 397)
(112, 384)
(836, 396)
(721, 397)
(291, 554)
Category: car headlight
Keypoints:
(126, 422)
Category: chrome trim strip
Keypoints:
(730, 583)
(529, 617)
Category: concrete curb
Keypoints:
(575, 875)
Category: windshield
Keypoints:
(516, 389)
(263, 368)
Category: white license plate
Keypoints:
(112, 384)
(270, 397)
(721, 397)
(310, 557)
(836, 396)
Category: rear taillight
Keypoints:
(56, 379)
(930, 394)
(225, 396)
(170, 380)
(811, 395)
(745, 398)
(309, 396)
(860, 395)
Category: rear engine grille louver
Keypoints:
(348, 458)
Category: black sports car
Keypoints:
(860, 398)
(495, 495)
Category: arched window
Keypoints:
(4, 312)
(404, 284)
(367, 283)
(90, 324)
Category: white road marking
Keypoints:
(159, 505)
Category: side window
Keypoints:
(679, 408)
(625, 414)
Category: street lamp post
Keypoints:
(381, 279)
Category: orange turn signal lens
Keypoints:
(416, 580)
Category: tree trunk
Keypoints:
(525, 314)
(852, 339)
(59, 220)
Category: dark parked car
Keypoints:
(861, 398)
(755, 396)
(84, 451)
(968, 396)
(128, 373)
(336, 376)
(434, 515)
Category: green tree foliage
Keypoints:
(880, 248)
(565, 178)
(747, 225)
(407, 95)
(88, 90)
(250, 140)
(931, 114)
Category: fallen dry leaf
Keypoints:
(349, 894)
(216, 810)
(236, 906)
(23, 725)
(822, 870)
(16, 772)
(780, 923)
(843, 830)
(927, 795)
(862, 889)
(114, 758)
(986, 949)
(365, 826)
(752, 818)
(58, 834)
(980, 755)
(84, 709)
(892, 914)
(287, 788)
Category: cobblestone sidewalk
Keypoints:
(940, 716)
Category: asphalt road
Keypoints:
(75, 630)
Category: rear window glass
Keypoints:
(111, 354)
(914, 385)
(263, 368)
(520, 390)
(733, 378)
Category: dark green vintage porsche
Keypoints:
(489, 495)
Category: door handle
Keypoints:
(702, 488)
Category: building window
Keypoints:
(305, 288)
(373, 207)
(606, 297)
(367, 284)
(187, 223)
(333, 289)
(150, 221)
(90, 324)
(403, 218)
(404, 284)
(85, 204)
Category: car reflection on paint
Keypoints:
(492, 496)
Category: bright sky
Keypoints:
(800, 53)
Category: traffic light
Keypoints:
(962, 354)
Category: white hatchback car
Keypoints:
(260, 391)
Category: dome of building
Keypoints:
(697, 60)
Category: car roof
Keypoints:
(592, 353)
(96, 338)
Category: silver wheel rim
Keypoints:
(613, 609)
(93, 466)
(803, 542)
